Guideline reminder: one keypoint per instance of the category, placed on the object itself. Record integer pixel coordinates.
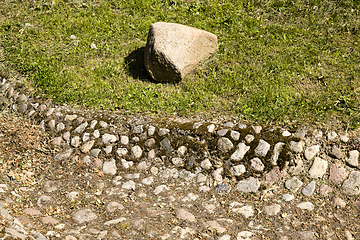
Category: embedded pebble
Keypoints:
(84, 215)
(297, 147)
(240, 152)
(238, 170)
(206, 164)
(224, 144)
(130, 185)
(311, 152)
(235, 135)
(331, 136)
(211, 128)
(351, 186)
(107, 149)
(318, 168)
(288, 197)
(353, 159)
(249, 185)
(306, 206)
(249, 138)
(293, 184)
(276, 153)
(109, 167)
(257, 164)
(309, 189)
(136, 151)
(108, 138)
(272, 209)
(222, 132)
(183, 214)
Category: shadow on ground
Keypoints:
(135, 64)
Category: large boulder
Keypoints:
(174, 51)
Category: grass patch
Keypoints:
(278, 60)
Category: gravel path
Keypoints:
(73, 173)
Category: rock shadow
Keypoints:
(135, 64)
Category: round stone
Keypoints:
(84, 215)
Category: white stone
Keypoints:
(306, 206)
(206, 164)
(109, 167)
(318, 168)
(311, 152)
(240, 152)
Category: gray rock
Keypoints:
(136, 151)
(262, 149)
(217, 174)
(318, 169)
(229, 125)
(81, 127)
(108, 138)
(186, 175)
(311, 152)
(174, 51)
(237, 170)
(309, 189)
(297, 147)
(51, 123)
(84, 215)
(353, 159)
(293, 184)
(240, 152)
(165, 144)
(51, 186)
(126, 164)
(190, 162)
(109, 167)
(249, 185)
(276, 153)
(75, 141)
(86, 159)
(351, 186)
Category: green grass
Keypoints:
(278, 60)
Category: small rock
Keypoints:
(150, 142)
(338, 202)
(206, 164)
(121, 151)
(235, 135)
(257, 129)
(257, 164)
(81, 127)
(190, 162)
(144, 165)
(95, 152)
(109, 167)
(274, 175)
(75, 141)
(51, 186)
(244, 235)
(96, 133)
(138, 129)
(217, 175)
(249, 138)
(108, 138)
(240, 152)
(130, 185)
(287, 197)
(272, 209)
(331, 136)
(86, 137)
(249, 185)
(136, 151)
(300, 134)
(108, 149)
(242, 126)
(183, 214)
(223, 188)
(165, 144)
(163, 131)
(84, 215)
(114, 206)
(214, 225)
(311, 152)
(124, 140)
(151, 130)
(181, 150)
(103, 124)
(324, 190)
(262, 149)
(57, 141)
(306, 206)
(293, 184)
(70, 117)
(286, 133)
(147, 181)
(317, 133)
(87, 146)
(151, 154)
(353, 159)
(224, 144)
(160, 188)
(336, 152)
(237, 170)
(318, 169)
(344, 138)
(49, 220)
(309, 189)
(211, 128)
(351, 186)
(297, 147)
(222, 132)
(229, 125)
(337, 174)
(276, 153)
(126, 164)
